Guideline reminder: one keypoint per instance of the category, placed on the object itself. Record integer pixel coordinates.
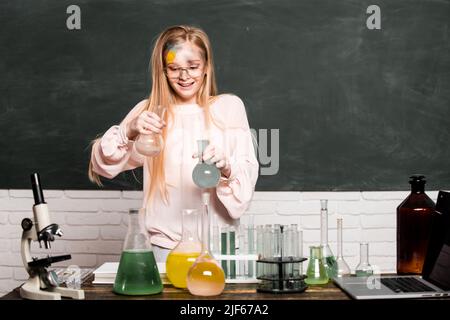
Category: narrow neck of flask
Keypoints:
(133, 222)
(189, 226)
(205, 231)
(364, 252)
(339, 237)
(323, 223)
(132, 241)
(201, 145)
(316, 252)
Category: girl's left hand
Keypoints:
(215, 155)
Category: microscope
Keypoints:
(42, 284)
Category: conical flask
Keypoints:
(138, 272)
(316, 272)
(328, 256)
(205, 174)
(150, 145)
(183, 256)
(206, 277)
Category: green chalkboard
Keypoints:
(356, 109)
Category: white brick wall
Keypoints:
(94, 224)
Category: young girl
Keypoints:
(183, 81)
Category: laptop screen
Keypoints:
(437, 264)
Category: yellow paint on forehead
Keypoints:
(170, 56)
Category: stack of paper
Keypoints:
(106, 273)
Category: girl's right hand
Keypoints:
(146, 123)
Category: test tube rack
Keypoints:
(276, 275)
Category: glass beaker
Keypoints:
(316, 272)
(364, 269)
(342, 267)
(329, 258)
(150, 145)
(183, 256)
(205, 173)
(205, 277)
(138, 272)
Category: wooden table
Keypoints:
(231, 292)
(236, 302)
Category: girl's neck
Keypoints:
(186, 103)
(180, 102)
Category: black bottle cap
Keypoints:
(37, 189)
(417, 178)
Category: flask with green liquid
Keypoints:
(138, 272)
(328, 256)
(316, 272)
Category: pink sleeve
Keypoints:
(114, 152)
(236, 192)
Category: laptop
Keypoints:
(435, 279)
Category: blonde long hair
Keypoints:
(162, 94)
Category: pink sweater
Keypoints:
(115, 153)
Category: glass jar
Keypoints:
(414, 222)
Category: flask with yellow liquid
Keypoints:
(205, 277)
(183, 256)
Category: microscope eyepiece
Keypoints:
(37, 189)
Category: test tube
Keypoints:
(251, 249)
(289, 245)
(268, 245)
(280, 268)
(215, 244)
(295, 249)
(224, 248)
(259, 249)
(242, 249)
(232, 251)
(300, 248)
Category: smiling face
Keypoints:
(185, 70)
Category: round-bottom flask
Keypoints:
(206, 277)
(205, 174)
(149, 145)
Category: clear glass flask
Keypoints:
(316, 272)
(342, 267)
(329, 258)
(364, 269)
(183, 256)
(150, 145)
(138, 272)
(205, 174)
(206, 277)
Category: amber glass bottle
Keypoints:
(414, 221)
